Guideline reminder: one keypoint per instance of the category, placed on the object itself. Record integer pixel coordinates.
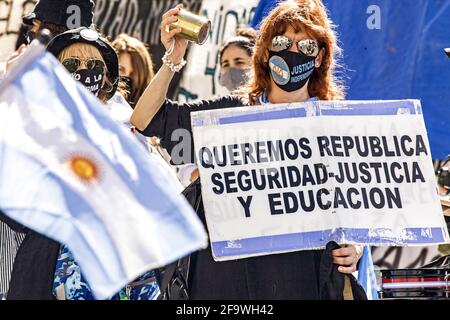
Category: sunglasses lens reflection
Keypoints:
(308, 47)
(281, 43)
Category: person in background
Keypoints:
(297, 33)
(53, 15)
(135, 65)
(235, 58)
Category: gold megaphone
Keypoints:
(193, 27)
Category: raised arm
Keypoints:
(155, 94)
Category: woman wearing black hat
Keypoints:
(92, 61)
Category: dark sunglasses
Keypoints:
(73, 64)
(309, 47)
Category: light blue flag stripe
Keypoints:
(366, 274)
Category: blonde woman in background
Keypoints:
(135, 65)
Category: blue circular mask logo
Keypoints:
(280, 70)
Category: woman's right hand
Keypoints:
(154, 96)
(169, 38)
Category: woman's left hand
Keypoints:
(347, 258)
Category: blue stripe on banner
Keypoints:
(355, 109)
(370, 110)
(269, 115)
(318, 239)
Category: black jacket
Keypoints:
(34, 265)
(305, 275)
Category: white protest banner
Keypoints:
(294, 177)
(200, 79)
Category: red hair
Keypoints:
(302, 15)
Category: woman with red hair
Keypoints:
(294, 61)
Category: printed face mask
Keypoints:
(233, 78)
(290, 70)
(91, 79)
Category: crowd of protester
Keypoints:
(121, 74)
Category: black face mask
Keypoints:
(290, 70)
(128, 83)
(91, 79)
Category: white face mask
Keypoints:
(233, 78)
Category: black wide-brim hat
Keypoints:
(59, 12)
(92, 37)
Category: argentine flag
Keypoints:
(69, 171)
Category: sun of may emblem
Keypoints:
(84, 168)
